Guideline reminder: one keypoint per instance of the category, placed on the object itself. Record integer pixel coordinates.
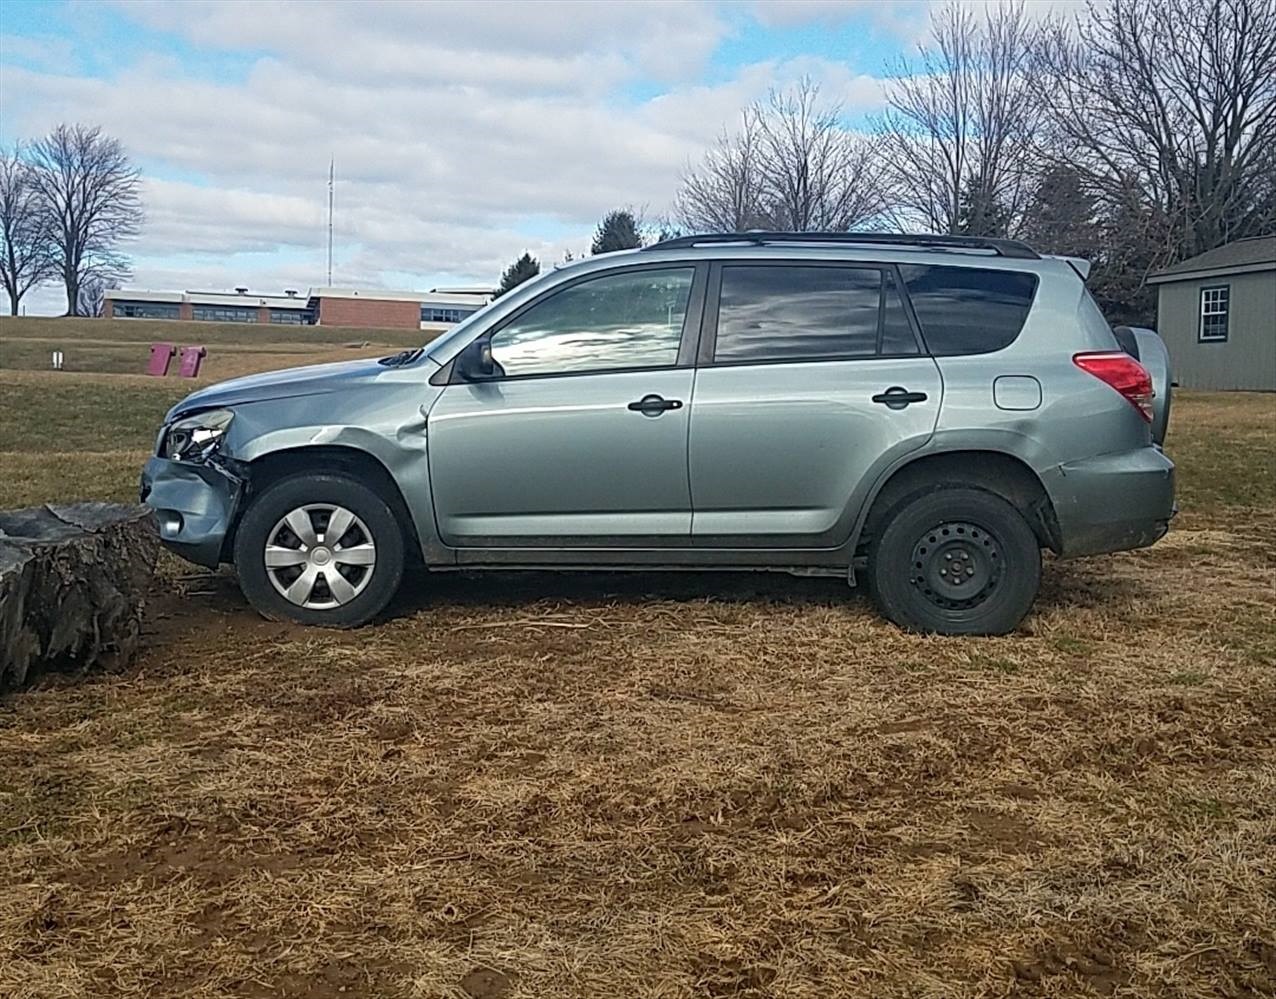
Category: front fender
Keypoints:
(391, 431)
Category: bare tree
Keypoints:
(90, 190)
(93, 289)
(816, 174)
(959, 125)
(1172, 102)
(725, 193)
(26, 257)
(792, 165)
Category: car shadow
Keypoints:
(1087, 583)
(423, 590)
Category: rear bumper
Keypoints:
(194, 507)
(1112, 502)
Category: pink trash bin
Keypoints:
(192, 358)
(161, 356)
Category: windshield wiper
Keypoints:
(404, 357)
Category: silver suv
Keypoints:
(924, 412)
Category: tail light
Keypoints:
(1124, 374)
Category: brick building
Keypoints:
(363, 308)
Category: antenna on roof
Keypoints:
(331, 176)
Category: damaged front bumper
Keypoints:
(194, 504)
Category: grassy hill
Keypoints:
(75, 330)
(122, 346)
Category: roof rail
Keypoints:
(1002, 247)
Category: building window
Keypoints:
(225, 313)
(289, 317)
(1214, 314)
(432, 314)
(145, 310)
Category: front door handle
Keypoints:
(654, 405)
(898, 397)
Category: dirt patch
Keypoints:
(485, 983)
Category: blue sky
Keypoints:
(463, 133)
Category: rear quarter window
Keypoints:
(968, 310)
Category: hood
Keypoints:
(314, 379)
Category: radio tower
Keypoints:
(331, 164)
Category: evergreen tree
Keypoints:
(1062, 215)
(980, 214)
(522, 269)
(617, 231)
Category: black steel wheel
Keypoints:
(957, 564)
(956, 561)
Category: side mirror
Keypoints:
(474, 363)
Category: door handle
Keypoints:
(898, 397)
(654, 405)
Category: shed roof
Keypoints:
(1256, 253)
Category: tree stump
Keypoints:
(73, 585)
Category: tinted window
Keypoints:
(769, 313)
(965, 310)
(631, 320)
(897, 334)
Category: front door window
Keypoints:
(617, 322)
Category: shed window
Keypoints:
(1214, 313)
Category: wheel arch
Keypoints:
(1000, 472)
(363, 466)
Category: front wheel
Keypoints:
(321, 550)
(955, 561)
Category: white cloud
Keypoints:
(541, 45)
(900, 15)
(45, 51)
(906, 19)
(463, 134)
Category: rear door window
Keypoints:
(968, 310)
(791, 313)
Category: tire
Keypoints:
(955, 560)
(338, 592)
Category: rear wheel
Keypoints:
(955, 561)
(319, 549)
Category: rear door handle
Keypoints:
(898, 397)
(654, 405)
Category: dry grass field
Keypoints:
(652, 785)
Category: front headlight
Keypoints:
(194, 438)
